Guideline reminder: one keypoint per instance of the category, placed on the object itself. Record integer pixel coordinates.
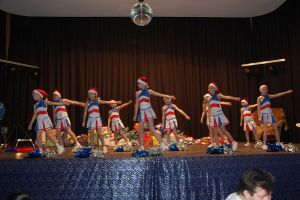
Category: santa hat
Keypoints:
(212, 84)
(245, 100)
(206, 96)
(262, 87)
(93, 91)
(56, 92)
(144, 81)
(41, 93)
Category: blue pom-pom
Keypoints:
(35, 154)
(83, 152)
(140, 153)
(274, 148)
(173, 147)
(11, 149)
(119, 149)
(215, 150)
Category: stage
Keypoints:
(189, 174)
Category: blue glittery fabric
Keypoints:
(208, 177)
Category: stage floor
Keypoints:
(191, 174)
(194, 150)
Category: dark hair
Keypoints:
(19, 196)
(254, 178)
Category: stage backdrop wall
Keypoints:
(181, 56)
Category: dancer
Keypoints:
(61, 117)
(249, 123)
(204, 113)
(115, 122)
(265, 114)
(94, 119)
(169, 120)
(217, 119)
(146, 113)
(43, 121)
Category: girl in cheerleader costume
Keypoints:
(43, 121)
(115, 122)
(169, 120)
(249, 123)
(61, 118)
(94, 121)
(146, 113)
(204, 113)
(217, 119)
(265, 114)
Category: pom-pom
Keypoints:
(134, 143)
(127, 148)
(155, 152)
(97, 154)
(290, 148)
(228, 149)
(259, 144)
(215, 150)
(83, 152)
(35, 154)
(274, 148)
(119, 149)
(140, 153)
(173, 147)
(83, 139)
(182, 147)
(50, 153)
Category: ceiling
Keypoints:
(121, 8)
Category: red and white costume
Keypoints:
(145, 108)
(116, 122)
(266, 111)
(170, 118)
(249, 123)
(216, 115)
(94, 119)
(43, 121)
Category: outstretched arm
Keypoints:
(32, 119)
(225, 103)
(124, 105)
(73, 102)
(136, 106)
(107, 102)
(280, 94)
(181, 112)
(51, 103)
(84, 114)
(253, 106)
(221, 96)
(152, 92)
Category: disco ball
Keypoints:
(141, 14)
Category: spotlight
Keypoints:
(247, 71)
(141, 13)
(13, 69)
(36, 73)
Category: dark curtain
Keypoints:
(179, 55)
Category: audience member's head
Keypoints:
(19, 196)
(256, 184)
